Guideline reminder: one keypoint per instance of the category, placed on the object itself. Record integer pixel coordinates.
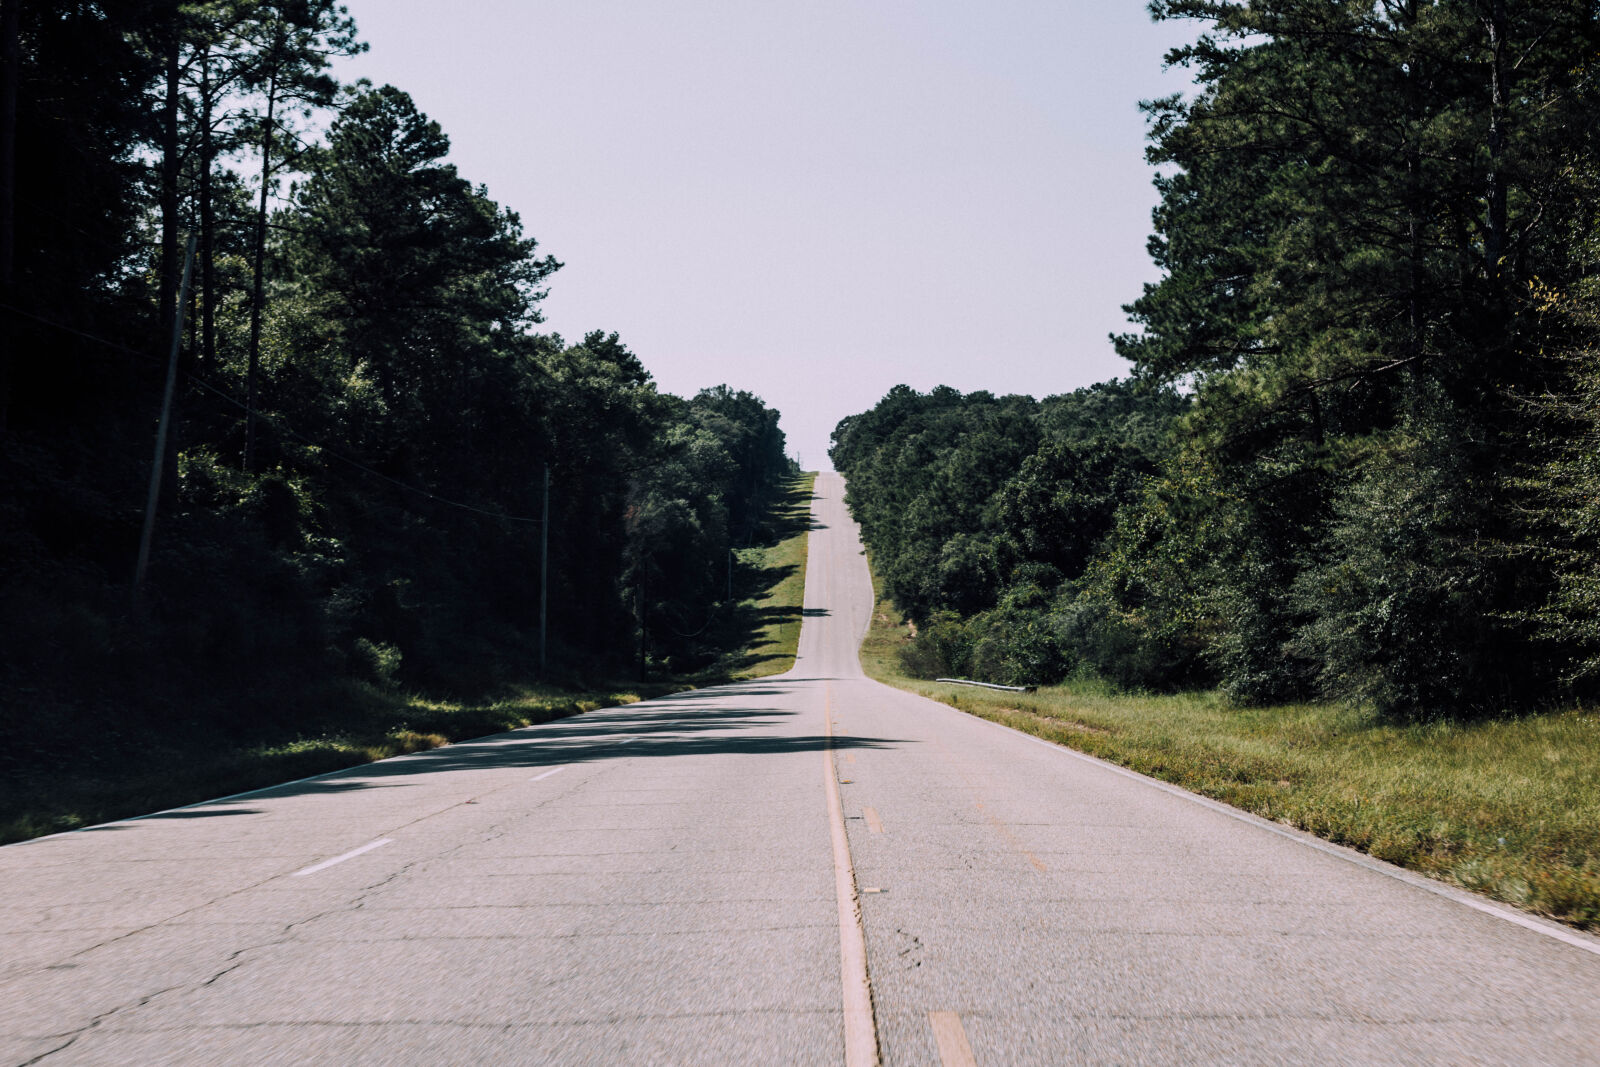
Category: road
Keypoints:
(717, 877)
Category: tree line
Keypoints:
(367, 417)
(1372, 359)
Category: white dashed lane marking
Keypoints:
(352, 854)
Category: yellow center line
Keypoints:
(1005, 831)
(860, 1029)
(948, 1034)
(1011, 838)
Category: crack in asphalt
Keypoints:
(468, 1024)
(73, 1036)
(507, 824)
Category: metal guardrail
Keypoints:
(990, 685)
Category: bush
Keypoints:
(940, 649)
(376, 661)
(1405, 602)
(1019, 643)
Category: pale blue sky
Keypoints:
(810, 200)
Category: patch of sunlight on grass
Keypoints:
(776, 639)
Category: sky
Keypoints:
(817, 200)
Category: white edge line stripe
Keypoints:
(546, 774)
(1400, 874)
(352, 854)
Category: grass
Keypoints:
(771, 648)
(1508, 808)
(113, 778)
(101, 773)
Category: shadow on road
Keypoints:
(726, 720)
(789, 516)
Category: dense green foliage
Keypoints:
(983, 515)
(1376, 234)
(1503, 806)
(376, 510)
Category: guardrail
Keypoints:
(990, 685)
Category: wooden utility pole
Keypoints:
(544, 570)
(638, 609)
(208, 220)
(148, 533)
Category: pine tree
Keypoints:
(1359, 196)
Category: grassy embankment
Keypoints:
(104, 776)
(94, 778)
(1509, 808)
(775, 578)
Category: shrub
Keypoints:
(940, 649)
(377, 661)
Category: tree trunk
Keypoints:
(208, 222)
(171, 258)
(1414, 201)
(10, 60)
(252, 370)
(1494, 238)
(639, 617)
(169, 193)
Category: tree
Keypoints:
(1360, 192)
(78, 261)
(603, 417)
(429, 276)
(292, 43)
(388, 529)
(217, 70)
(748, 431)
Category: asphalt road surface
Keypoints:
(718, 876)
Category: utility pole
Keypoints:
(149, 530)
(638, 608)
(544, 570)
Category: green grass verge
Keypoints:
(1508, 808)
(362, 723)
(106, 774)
(776, 588)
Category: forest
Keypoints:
(1354, 458)
(371, 442)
